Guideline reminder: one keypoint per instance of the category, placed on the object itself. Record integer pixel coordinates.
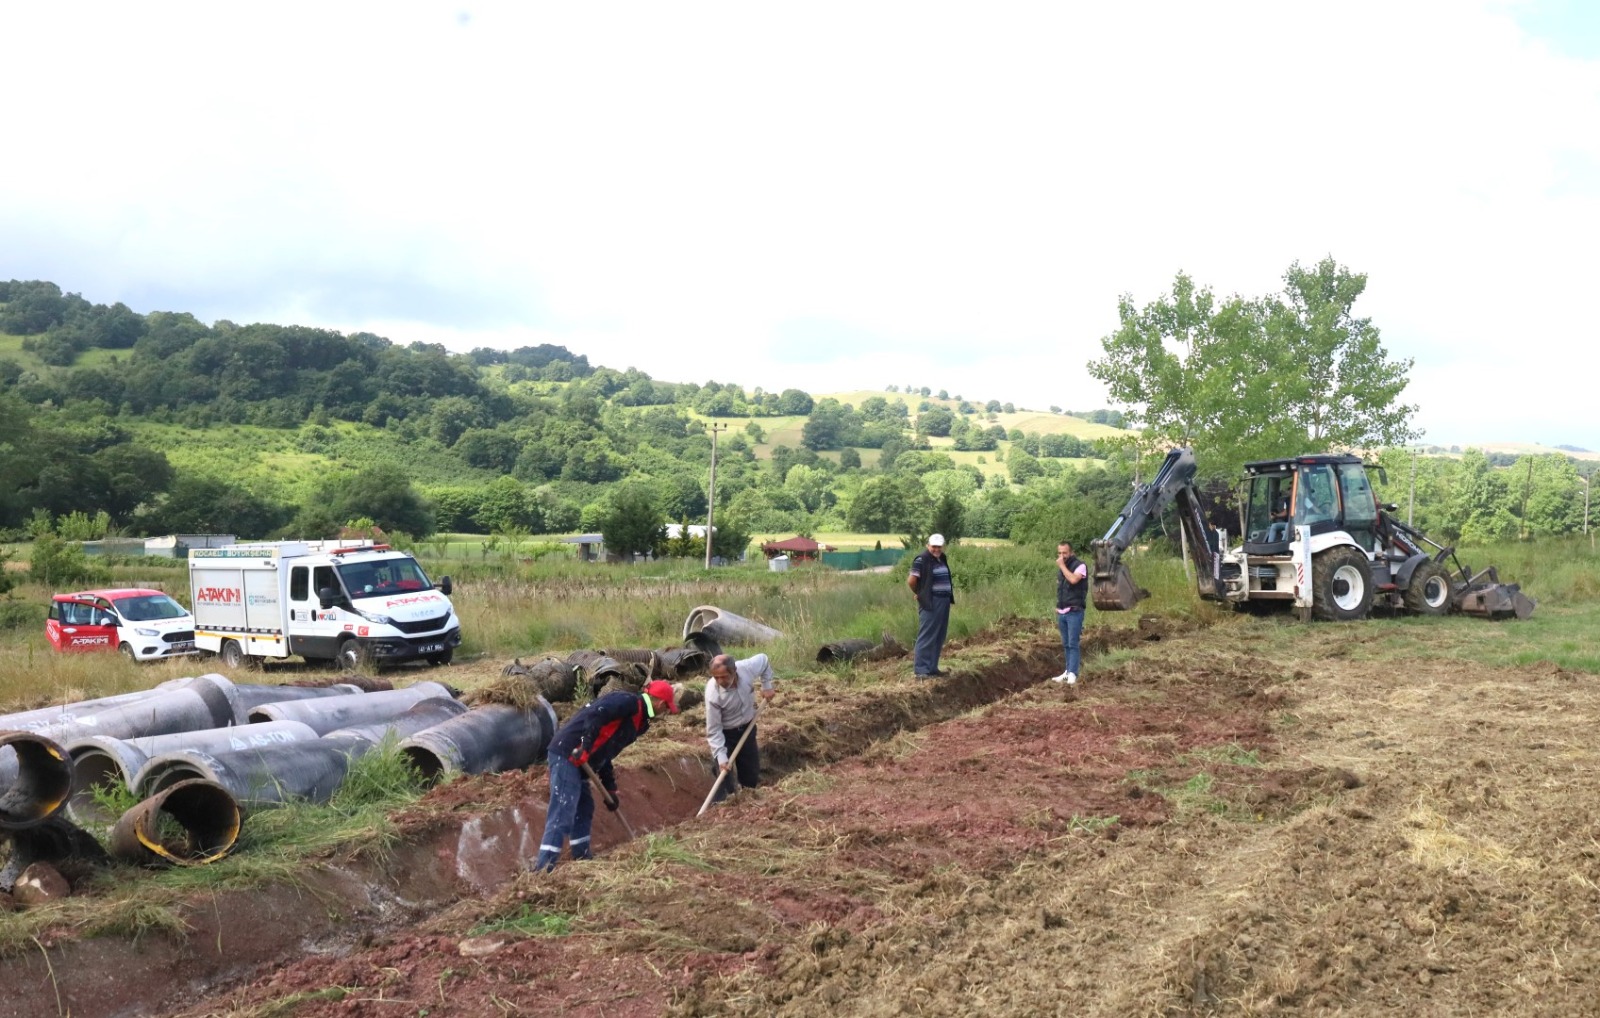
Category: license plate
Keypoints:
(185, 645)
(433, 648)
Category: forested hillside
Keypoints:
(115, 421)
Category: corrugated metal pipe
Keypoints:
(494, 737)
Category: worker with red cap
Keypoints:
(594, 736)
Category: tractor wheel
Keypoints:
(1429, 590)
(233, 654)
(1341, 584)
(351, 657)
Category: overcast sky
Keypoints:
(829, 195)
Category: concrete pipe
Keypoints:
(327, 714)
(483, 740)
(53, 841)
(68, 713)
(207, 814)
(422, 715)
(843, 650)
(40, 782)
(727, 628)
(249, 697)
(259, 777)
(206, 701)
(102, 760)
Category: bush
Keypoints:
(55, 563)
(24, 615)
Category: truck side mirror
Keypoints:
(328, 597)
(445, 586)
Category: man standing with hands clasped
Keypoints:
(930, 581)
(1072, 583)
(731, 711)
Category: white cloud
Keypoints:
(928, 193)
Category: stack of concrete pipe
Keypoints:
(203, 751)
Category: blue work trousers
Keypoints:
(932, 625)
(1071, 626)
(570, 816)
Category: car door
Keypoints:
(83, 626)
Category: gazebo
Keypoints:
(797, 548)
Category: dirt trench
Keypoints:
(473, 838)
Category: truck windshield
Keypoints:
(386, 576)
(150, 608)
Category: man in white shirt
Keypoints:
(731, 710)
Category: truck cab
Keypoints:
(354, 603)
(141, 623)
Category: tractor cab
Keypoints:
(1327, 493)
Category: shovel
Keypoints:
(721, 774)
(609, 798)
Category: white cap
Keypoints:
(936, 540)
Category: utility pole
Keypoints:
(711, 490)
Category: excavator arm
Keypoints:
(1114, 589)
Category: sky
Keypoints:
(830, 195)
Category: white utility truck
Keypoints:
(353, 603)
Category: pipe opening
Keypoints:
(427, 763)
(191, 823)
(42, 783)
(91, 769)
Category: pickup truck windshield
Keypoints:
(388, 576)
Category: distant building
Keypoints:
(799, 549)
(178, 545)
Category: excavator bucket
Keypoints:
(1496, 601)
(1114, 589)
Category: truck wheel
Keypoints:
(1341, 584)
(127, 652)
(351, 658)
(441, 659)
(233, 654)
(1428, 593)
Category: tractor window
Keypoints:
(1318, 500)
(1360, 507)
(1267, 520)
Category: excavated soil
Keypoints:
(1222, 822)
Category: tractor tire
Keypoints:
(1428, 593)
(233, 654)
(1341, 584)
(351, 658)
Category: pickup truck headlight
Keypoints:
(147, 632)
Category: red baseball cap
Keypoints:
(662, 690)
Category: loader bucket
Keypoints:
(1496, 601)
(1114, 590)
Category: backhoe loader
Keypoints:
(1315, 540)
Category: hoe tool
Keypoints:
(721, 774)
(609, 798)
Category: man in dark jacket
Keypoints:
(1072, 584)
(594, 736)
(930, 581)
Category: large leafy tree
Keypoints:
(632, 523)
(1241, 379)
